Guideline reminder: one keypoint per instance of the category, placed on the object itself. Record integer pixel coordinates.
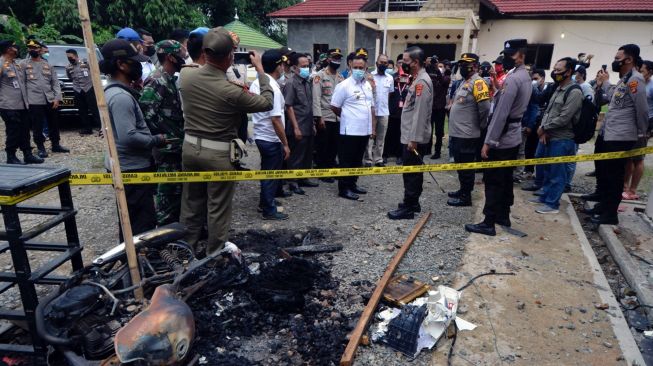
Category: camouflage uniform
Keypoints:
(161, 106)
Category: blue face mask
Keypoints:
(46, 55)
(358, 75)
(390, 72)
(573, 78)
(304, 72)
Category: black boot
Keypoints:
(464, 200)
(12, 159)
(416, 208)
(31, 159)
(403, 213)
(455, 194)
(595, 197)
(41, 152)
(56, 148)
(481, 228)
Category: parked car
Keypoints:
(59, 61)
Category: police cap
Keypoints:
(5, 45)
(469, 57)
(218, 40)
(513, 45)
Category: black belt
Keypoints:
(509, 121)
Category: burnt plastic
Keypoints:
(403, 330)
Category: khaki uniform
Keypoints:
(212, 108)
(416, 127)
(80, 75)
(43, 89)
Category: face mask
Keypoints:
(72, 60)
(558, 77)
(334, 65)
(149, 51)
(616, 65)
(573, 78)
(46, 55)
(358, 75)
(179, 62)
(135, 71)
(441, 70)
(535, 82)
(466, 72)
(406, 68)
(498, 68)
(381, 69)
(34, 54)
(390, 72)
(304, 72)
(282, 78)
(508, 63)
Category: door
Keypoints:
(444, 51)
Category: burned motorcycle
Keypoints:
(93, 319)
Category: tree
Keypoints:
(250, 12)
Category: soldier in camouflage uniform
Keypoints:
(161, 105)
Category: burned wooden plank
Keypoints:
(314, 249)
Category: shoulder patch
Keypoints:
(481, 90)
(316, 79)
(633, 86)
(418, 89)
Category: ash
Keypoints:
(284, 315)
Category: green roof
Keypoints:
(249, 37)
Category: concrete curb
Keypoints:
(626, 340)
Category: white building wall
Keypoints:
(600, 38)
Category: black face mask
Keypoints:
(149, 51)
(179, 62)
(135, 71)
(381, 69)
(406, 68)
(616, 65)
(334, 65)
(72, 60)
(34, 54)
(508, 63)
(466, 72)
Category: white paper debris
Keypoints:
(203, 360)
(648, 333)
(442, 306)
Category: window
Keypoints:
(318, 49)
(539, 55)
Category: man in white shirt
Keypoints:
(353, 102)
(384, 85)
(269, 134)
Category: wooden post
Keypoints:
(351, 35)
(116, 173)
(348, 357)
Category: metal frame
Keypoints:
(19, 242)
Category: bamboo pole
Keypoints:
(116, 173)
(348, 357)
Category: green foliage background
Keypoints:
(57, 21)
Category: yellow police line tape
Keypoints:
(224, 176)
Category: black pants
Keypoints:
(140, 202)
(481, 141)
(437, 126)
(413, 181)
(498, 186)
(530, 148)
(86, 103)
(326, 143)
(350, 155)
(17, 124)
(301, 153)
(243, 132)
(392, 146)
(40, 113)
(610, 176)
(464, 151)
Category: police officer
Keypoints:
(328, 126)
(415, 130)
(504, 137)
(13, 106)
(212, 108)
(625, 122)
(468, 115)
(43, 97)
(79, 73)
(161, 106)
